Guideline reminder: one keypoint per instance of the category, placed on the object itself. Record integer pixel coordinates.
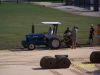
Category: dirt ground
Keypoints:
(24, 62)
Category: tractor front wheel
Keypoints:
(31, 46)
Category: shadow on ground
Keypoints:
(38, 69)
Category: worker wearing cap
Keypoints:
(98, 33)
(91, 34)
(74, 37)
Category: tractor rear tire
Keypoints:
(48, 62)
(62, 62)
(95, 57)
(54, 43)
(31, 46)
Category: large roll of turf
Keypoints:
(95, 57)
(62, 62)
(48, 62)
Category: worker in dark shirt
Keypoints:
(91, 34)
(67, 32)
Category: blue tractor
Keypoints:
(53, 41)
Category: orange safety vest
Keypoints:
(98, 32)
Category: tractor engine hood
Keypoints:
(34, 35)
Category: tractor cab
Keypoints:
(66, 38)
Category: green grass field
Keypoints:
(16, 21)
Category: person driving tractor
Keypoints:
(50, 31)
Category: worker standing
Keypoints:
(98, 33)
(91, 35)
(74, 37)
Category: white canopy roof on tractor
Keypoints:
(51, 23)
(55, 24)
